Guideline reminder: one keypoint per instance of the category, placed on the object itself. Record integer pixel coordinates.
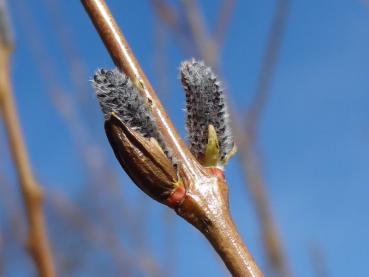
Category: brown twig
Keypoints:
(38, 243)
(205, 202)
(269, 63)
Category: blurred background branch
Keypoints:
(93, 158)
(37, 241)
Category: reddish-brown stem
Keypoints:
(205, 204)
(38, 243)
(228, 243)
(206, 207)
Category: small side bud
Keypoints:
(207, 118)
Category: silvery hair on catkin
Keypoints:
(117, 94)
(205, 104)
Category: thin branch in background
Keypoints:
(160, 58)
(205, 44)
(1, 254)
(318, 260)
(68, 111)
(79, 221)
(169, 16)
(13, 211)
(60, 98)
(251, 157)
(77, 68)
(256, 184)
(13, 225)
(77, 65)
(221, 26)
(6, 32)
(38, 243)
(268, 66)
(170, 242)
(97, 169)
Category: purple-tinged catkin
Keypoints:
(117, 94)
(205, 105)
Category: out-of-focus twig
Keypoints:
(250, 161)
(250, 154)
(38, 243)
(6, 33)
(97, 168)
(1, 254)
(78, 220)
(10, 205)
(222, 24)
(268, 66)
(76, 65)
(318, 260)
(169, 16)
(204, 42)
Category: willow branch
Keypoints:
(38, 243)
(205, 202)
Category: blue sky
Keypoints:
(314, 134)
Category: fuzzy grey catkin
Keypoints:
(6, 32)
(117, 94)
(205, 104)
